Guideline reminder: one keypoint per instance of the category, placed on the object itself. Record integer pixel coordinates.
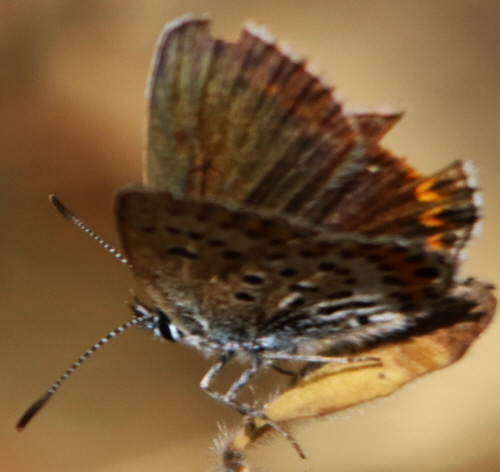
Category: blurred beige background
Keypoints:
(72, 76)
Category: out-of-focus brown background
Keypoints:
(72, 77)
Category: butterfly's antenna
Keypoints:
(140, 315)
(61, 208)
(35, 408)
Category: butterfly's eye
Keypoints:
(165, 328)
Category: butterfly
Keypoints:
(271, 224)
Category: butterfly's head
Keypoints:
(157, 321)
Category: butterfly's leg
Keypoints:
(229, 398)
(252, 412)
(213, 372)
(243, 379)
(323, 359)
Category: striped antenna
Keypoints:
(64, 211)
(35, 408)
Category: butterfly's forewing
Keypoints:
(244, 123)
(388, 197)
(441, 208)
(237, 121)
(179, 69)
(272, 277)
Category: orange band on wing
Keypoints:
(424, 194)
(430, 218)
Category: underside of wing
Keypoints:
(244, 123)
(250, 273)
(390, 198)
(441, 208)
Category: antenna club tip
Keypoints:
(32, 411)
(60, 207)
